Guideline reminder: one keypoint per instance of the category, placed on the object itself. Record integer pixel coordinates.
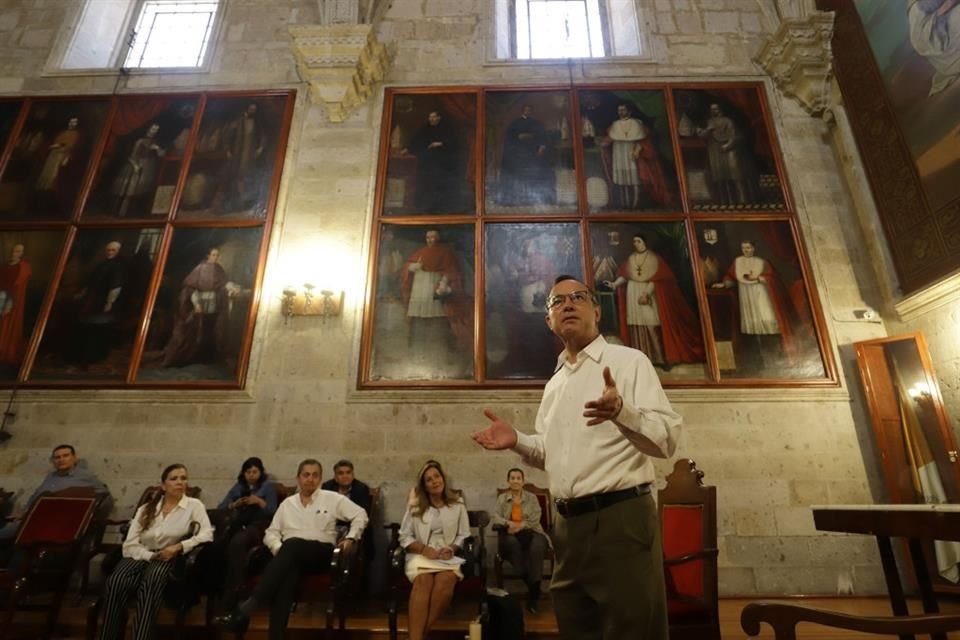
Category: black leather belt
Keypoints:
(596, 501)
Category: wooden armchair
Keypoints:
(183, 588)
(688, 521)
(546, 521)
(474, 583)
(783, 618)
(46, 548)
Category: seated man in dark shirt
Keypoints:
(345, 484)
(66, 474)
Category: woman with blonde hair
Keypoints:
(433, 530)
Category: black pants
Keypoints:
(278, 586)
(525, 551)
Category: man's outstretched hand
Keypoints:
(497, 435)
(607, 406)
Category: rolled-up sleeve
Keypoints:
(347, 510)
(647, 420)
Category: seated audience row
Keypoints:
(301, 533)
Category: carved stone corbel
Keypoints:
(341, 58)
(799, 59)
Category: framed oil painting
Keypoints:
(234, 162)
(898, 65)
(727, 150)
(648, 297)
(760, 308)
(96, 313)
(201, 316)
(424, 303)
(430, 167)
(140, 165)
(28, 260)
(9, 111)
(44, 174)
(529, 152)
(628, 156)
(522, 260)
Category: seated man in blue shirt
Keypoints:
(66, 474)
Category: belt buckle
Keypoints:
(561, 506)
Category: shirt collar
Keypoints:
(180, 505)
(594, 351)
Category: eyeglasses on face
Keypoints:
(577, 298)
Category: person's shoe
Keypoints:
(532, 607)
(236, 620)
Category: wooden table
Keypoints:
(915, 523)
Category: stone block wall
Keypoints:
(770, 453)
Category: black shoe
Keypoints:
(236, 620)
(531, 606)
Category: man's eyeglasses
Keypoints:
(577, 298)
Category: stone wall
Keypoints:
(770, 453)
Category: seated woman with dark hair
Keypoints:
(159, 532)
(525, 542)
(434, 528)
(252, 501)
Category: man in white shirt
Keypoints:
(301, 537)
(603, 415)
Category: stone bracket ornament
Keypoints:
(341, 62)
(799, 59)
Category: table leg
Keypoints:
(897, 602)
(924, 583)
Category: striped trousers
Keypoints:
(146, 580)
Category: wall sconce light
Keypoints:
(304, 302)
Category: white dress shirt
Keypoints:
(165, 530)
(613, 455)
(315, 521)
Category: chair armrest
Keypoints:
(783, 618)
(688, 557)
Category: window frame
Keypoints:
(644, 9)
(120, 50)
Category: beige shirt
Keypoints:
(315, 521)
(165, 530)
(582, 460)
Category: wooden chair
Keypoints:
(332, 586)
(474, 583)
(546, 521)
(46, 548)
(783, 618)
(183, 586)
(688, 520)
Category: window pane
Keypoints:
(97, 34)
(559, 30)
(172, 34)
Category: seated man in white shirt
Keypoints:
(301, 537)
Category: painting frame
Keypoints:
(924, 242)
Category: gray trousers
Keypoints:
(525, 551)
(608, 582)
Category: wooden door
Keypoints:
(910, 424)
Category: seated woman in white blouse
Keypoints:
(433, 530)
(156, 537)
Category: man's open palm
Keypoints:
(497, 435)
